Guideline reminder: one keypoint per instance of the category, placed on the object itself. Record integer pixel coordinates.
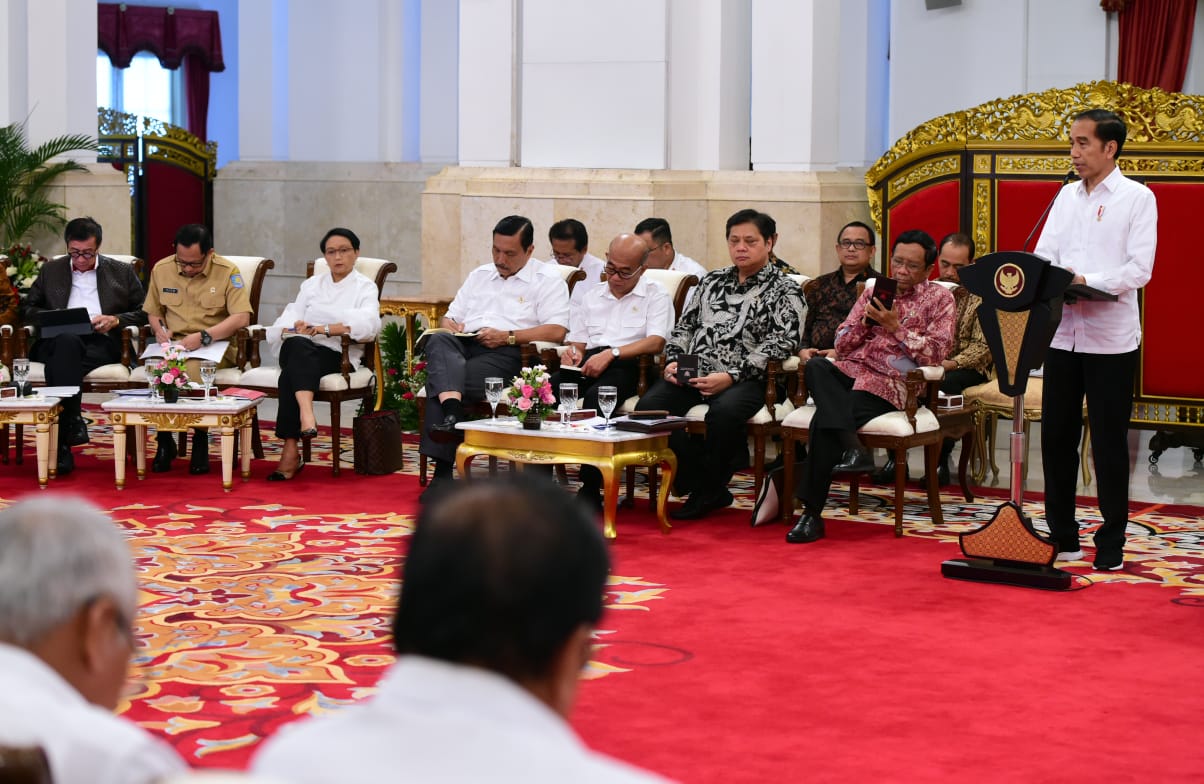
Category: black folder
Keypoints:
(68, 321)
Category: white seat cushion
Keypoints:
(116, 372)
(261, 377)
(37, 373)
(333, 382)
(893, 423)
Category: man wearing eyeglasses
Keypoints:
(610, 325)
(831, 297)
(195, 298)
(570, 247)
(113, 295)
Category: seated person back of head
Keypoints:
(501, 592)
(67, 598)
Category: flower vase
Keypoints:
(532, 421)
(171, 394)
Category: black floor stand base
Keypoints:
(984, 570)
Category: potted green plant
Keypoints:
(25, 176)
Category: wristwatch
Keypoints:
(326, 329)
(614, 352)
(206, 338)
(510, 338)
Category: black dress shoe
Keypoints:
(701, 504)
(445, 432)
(66, 461)
(310, 433)
(590, 497)
(809, 528)
(857, 461)
(280, 476)
(76, 433)
(438, 486)
(769, 500)
(198, 461)
(164, 455)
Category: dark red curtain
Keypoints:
(1155, 41)
(176, 36)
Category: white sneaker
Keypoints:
(1070, 555)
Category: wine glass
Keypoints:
(608, 398)
(153, 368)
(493, 393)
(208, 376)
(21, 376)
(568, 402)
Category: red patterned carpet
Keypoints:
(726, 655)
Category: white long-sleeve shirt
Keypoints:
(597, 318)
(532, 297)
(85, 744)
(1109, 237)
(352, 301)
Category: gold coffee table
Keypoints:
(610, 451)
(226, 414)
(43, 414)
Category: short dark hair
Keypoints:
(858, 225)
(338, 231)
(570, 229)
(194, 234)
(917, 237)
(659, 228)
(765, 224)
(1108, 127)
(959, 239)
(500, 574)
(83, 229)
(513, 224)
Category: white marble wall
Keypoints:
(281, 210)
(461, 205)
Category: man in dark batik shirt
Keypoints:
(739, 318)
(834, 293)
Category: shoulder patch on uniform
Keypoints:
(236, 280)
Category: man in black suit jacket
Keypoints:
(113, 295)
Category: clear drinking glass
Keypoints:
(493, 393)
(153, 366)
(21, 376)
(608, 398)
(568, 402)
(208, 375)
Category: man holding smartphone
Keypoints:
(876, 347)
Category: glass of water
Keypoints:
(21, 376)
(608, 398)
(153, 366)
(493, 393)
(208, 376)
(568, 402)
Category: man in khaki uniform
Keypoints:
(194, 298)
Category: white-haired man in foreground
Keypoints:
(67, 599)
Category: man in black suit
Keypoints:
(113, 295)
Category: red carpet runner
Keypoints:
(726, 655)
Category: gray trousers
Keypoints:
(460, 364)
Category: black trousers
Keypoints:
(961, 379)
(68, 358)
(459, 364)
(621, 373)
(839, 411)
(708, 466)
(1106, 381)
(302, 365)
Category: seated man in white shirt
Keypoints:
(662, 254)
(610, 325)
(570, 247)
(508, 302)
(503, 589)
(67, 597)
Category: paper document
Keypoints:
(214, 351)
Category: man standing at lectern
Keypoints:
(1104, 229)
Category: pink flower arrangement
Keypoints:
(170, 372)
(530, 393)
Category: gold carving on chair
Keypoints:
(172, 421)
(929, 170)
(1032, 164)
(982, 213)
(982, 164)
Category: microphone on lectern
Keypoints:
(1048, 207)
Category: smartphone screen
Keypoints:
(884, 292)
